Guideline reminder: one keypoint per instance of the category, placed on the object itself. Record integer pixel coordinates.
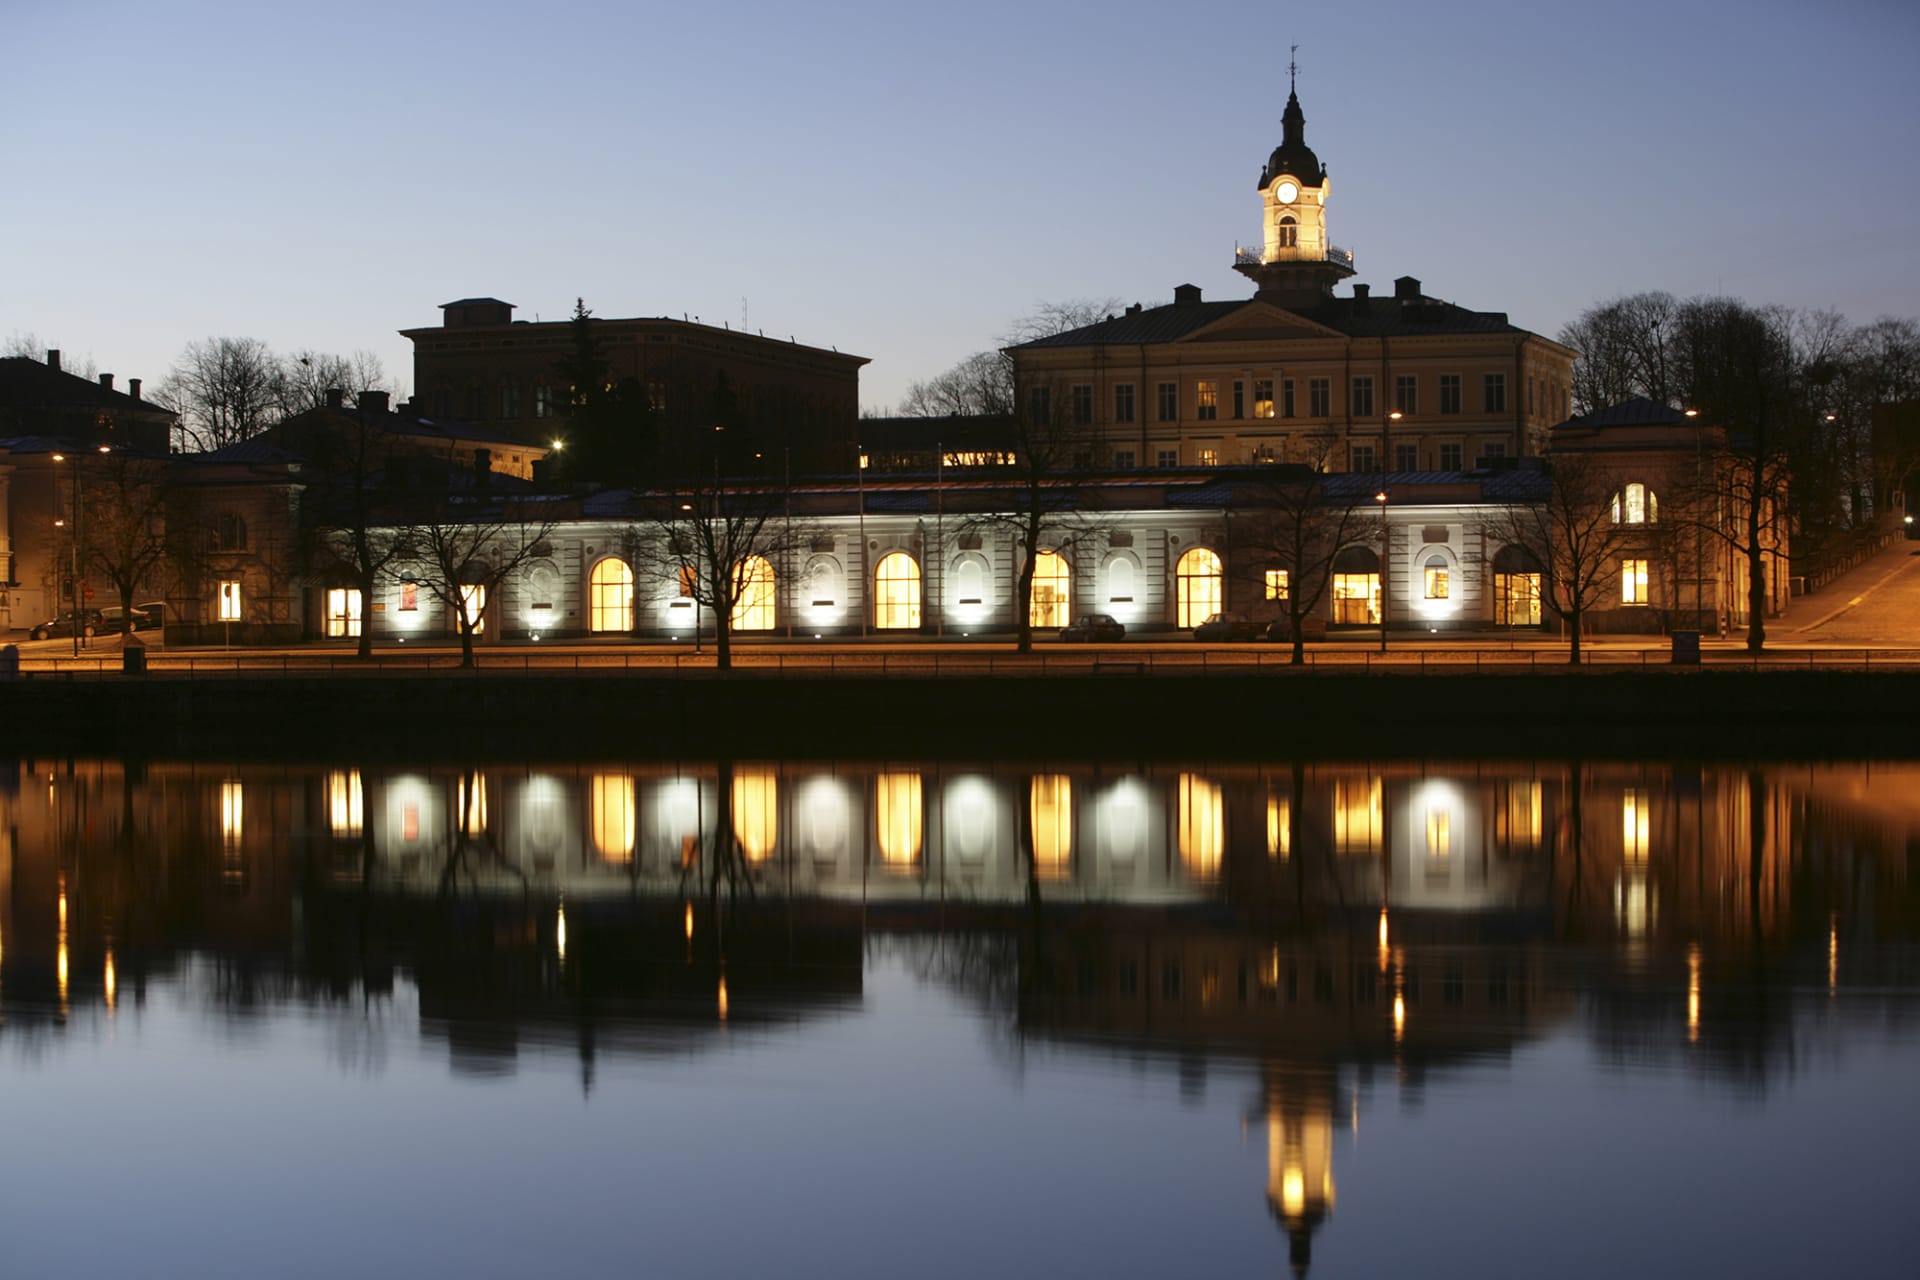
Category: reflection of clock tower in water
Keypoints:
(1297, 266)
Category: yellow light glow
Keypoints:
(1399, 1015)
(1833, 952)
(756, 818)
(473, 805)
(1385, 952)
(1279, 827)
(1293, 1191)
(689, 922)
(723, 997)
(345, 803)
(1634, 826)
(612, 815)
(1439, 833)
(61, 908)
(232, 812)
(1357, 821)
(1051, 808)
(1693, 992)
(560, 931)
(1202, 826)
(109, 983)
(60, 969)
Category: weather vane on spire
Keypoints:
(1293, 66)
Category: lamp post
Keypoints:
(75, 531)
(1381, 498)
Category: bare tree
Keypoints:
(306, 376)
(979, 386)
(128, 508)
(1575, 536)
(225, 390)
(344, 498)
(467, 550)
(1296, 523)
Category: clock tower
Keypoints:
(1295, 266)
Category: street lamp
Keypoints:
(74, 588)
(1381, 498)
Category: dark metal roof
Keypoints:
(471, 302)
(1159, 324)
(1355, 317)
(26, 383)
(254, 451)
(1637, 412)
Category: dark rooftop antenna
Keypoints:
(1293, 66)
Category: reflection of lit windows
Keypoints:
(896, 593)
(756, 820)
(344, 802)
(410, 821)
(612, 816)
(1633, 826)
(610, 596)
(1052, 815)
(1439, 833)
(1049, 608)
(753, 605)
(897, 816)
(343, 612)
(473, 805)
(1197, 582)
(1356, 815)
(232, 814)
(1518, 821)
(1279, 827)
(1202, 826)
(1634, 903)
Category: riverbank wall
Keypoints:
(1266, 715)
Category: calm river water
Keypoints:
(1527, 1018)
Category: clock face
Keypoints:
(1287, 192)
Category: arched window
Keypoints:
(753, 609)
(1289, 233)
(1050, 596)
(1356, 587)
(1120, 579)
(610, 596)
(1516, 588)
(1051, 811)
(970, 582)
(1196, 587)
(1635, 504)
(1436, 576)
(896, 593)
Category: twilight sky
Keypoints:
(902, 179)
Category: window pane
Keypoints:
(896, 593)
(754, 608)
(1050, 595)
(1197, 580)
(610, 606)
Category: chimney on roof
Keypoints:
(1361, 293)
(1186, 295)
(106, 381)
(1134, 310)
(1406, 288)
(373, 401)
(53, 359)
(336, 398)
(133, 387)
(482, 467)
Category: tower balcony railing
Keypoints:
(1249, 255)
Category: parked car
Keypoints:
(110, 619)
(63, 625)
(1093, 626)
(1226, 626)
(1281, 629)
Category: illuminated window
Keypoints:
(1206, 399)
(1516, 588)
(896, 593)
(611, 812)
(755, 608)
(1279, 827)
(1051, 600)
(472, 799)
(1634, 826)
(1123, 402)
(1263, 397)
(1494, 392)
(473, 603)
(897, 817)
(1356, 587)
(610, 596)
(1357, 821)
(409, 597)
(229, 601)
(345, 805)
(1051, 811)
(1207, 457)
(1633, 581)
(1363, 397)
(343, 611)
(1202, 826)
(1406, 393)
(1636, 504)
(1278, 585)
(1197, 587)
(756, 819)
(1449, 393)
(1436, 574)
(1289, 233)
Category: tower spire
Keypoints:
(1293, 69)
